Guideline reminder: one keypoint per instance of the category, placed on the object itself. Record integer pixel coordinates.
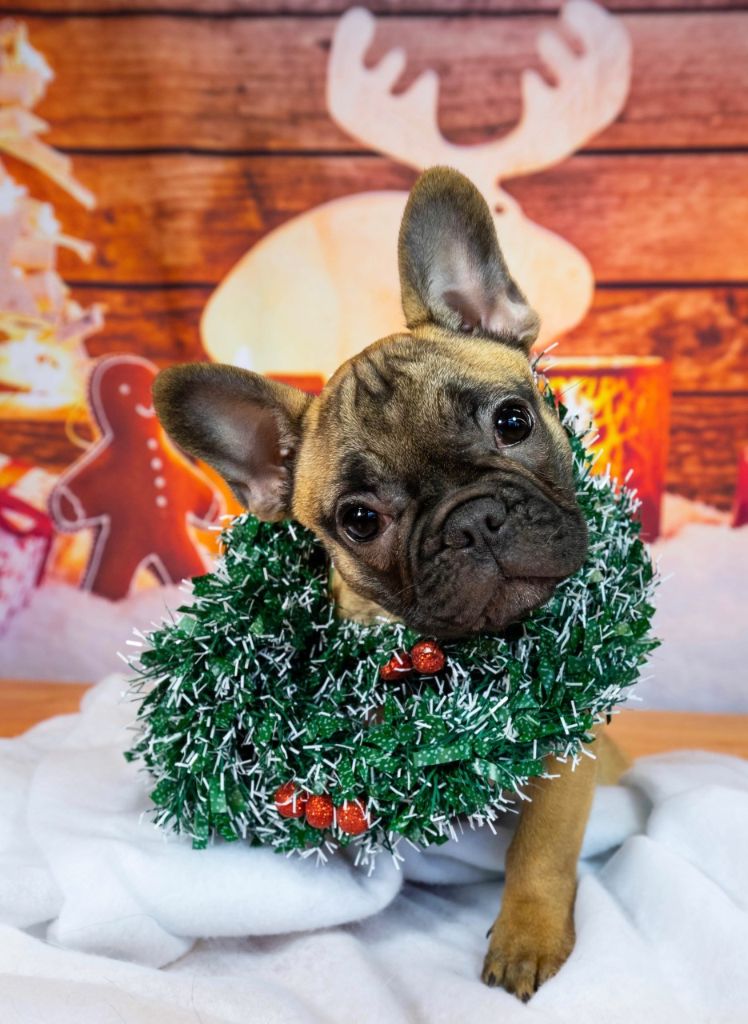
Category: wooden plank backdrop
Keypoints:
(189, 217)
(265, 80)
(201, 125)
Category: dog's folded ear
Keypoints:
(244, 425)
(452, 272)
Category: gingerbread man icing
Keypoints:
(133, 487)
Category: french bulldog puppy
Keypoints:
(441, 485)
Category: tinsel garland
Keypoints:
(257, 685)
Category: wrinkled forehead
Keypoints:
(403, 402)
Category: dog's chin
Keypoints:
(511, 601)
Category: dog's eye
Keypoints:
(513, 423)
(360, 523)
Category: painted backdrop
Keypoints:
(225, 182)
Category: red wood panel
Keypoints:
(259, 83)
(638, 218)
(160, 324)
(706, 437)
(700, 331)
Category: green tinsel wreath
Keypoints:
(257, 684)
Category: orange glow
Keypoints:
(627, 399)
(41, 374)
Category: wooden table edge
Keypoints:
(23, 703)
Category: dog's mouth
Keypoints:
(490, 555)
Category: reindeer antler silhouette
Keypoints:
(556, 119)
(318, 256)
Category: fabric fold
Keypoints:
(93, 899)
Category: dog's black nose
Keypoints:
(474, 524)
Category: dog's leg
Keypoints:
(534, 932)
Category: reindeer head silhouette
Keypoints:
(324, 285)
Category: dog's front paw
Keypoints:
(528, 946)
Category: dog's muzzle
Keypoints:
(486, 559)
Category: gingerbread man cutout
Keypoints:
(133, 486)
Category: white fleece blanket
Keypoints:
(102, 919)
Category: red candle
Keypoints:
(627, 399)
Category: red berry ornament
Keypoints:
(351, 817)
(320, 811)
(427, 657)
(289, 801)
(400, 664)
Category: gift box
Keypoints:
(25, 540)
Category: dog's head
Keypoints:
(430, 467)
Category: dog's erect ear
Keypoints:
(452, 272)
(244, 425)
